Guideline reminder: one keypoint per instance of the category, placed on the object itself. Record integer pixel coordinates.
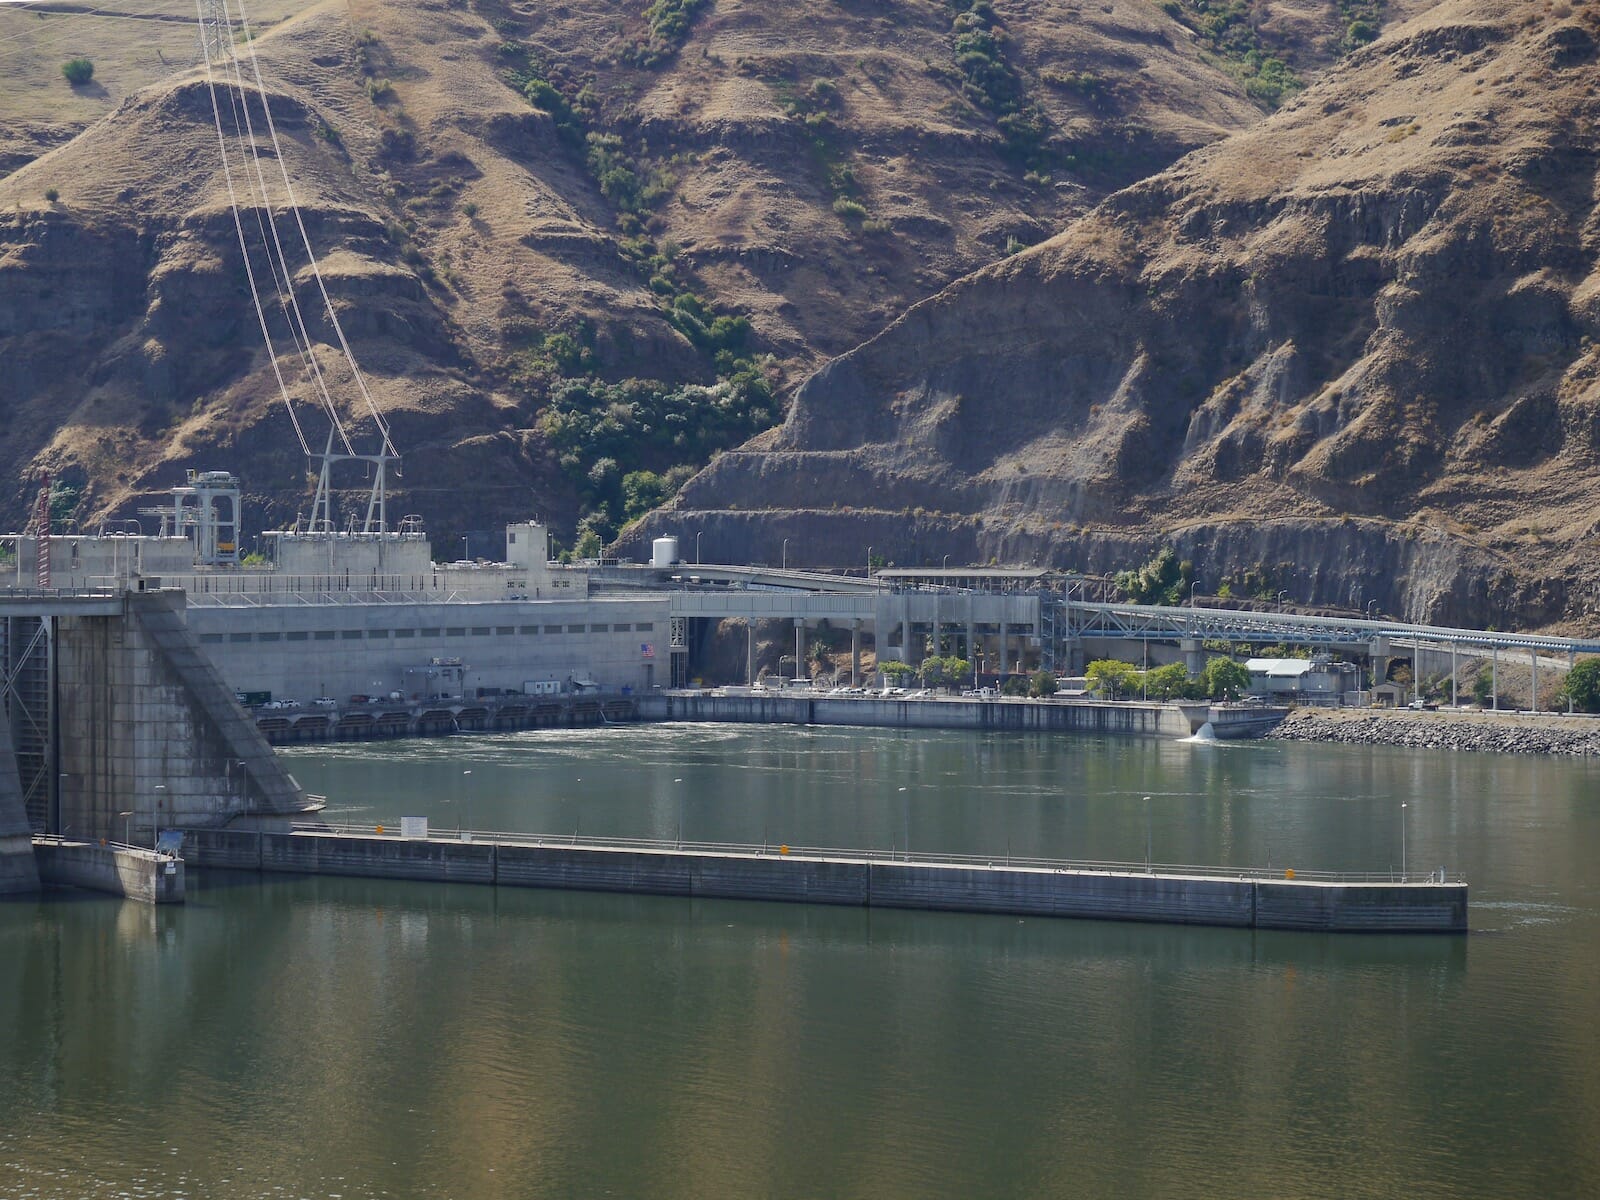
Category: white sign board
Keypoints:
(413, 827)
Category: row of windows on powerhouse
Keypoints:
(351, 635)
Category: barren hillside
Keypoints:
(578, 248)
(1349, 354)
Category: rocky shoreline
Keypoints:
(1489, 732)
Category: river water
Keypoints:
(349, 1038)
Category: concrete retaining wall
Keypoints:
(134, 874)
(1176, 899)
(1360, 908)
(1182, 899)
(1061, 716)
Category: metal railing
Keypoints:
(1005, 861)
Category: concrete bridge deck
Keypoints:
(1244, 898)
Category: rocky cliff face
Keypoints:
(1352, 347)
(514, 196)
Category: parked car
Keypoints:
(324, 702)
(360, 699)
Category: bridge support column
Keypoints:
(1378, 656)
(1194, 655)
(855, 652)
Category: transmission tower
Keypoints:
(214, 39)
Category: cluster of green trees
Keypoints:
(1363, 19)
(1223, 679)
(990, 82)
(667, 25)
(629, 444)
(1163, 580)
(1228, 28)
(1582, 686)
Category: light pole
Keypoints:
(697, 534)
(1147, 867)
(869, 562)
(127, 827)
(944, 563)
(155, 817)
(466, 804)
(1371, 604)
(785, 554)
(465, 557)
(1402, 841)
(1281, 595)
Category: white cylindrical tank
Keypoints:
(663, 552)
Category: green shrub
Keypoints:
(77, 71)
(52, 194)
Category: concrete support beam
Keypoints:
(18, 872)
(1194, 655)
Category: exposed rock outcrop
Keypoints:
(1356, 343)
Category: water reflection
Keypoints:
(366, 1038)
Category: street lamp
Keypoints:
(1147, 835)
(127, 827)
(1402, 841)
(465, 557)
(1371, 604)
(697, 534)
(1281, 595)
(944, 562)
(155, 817)
(466, 805)
(869, 562)
(785, 554)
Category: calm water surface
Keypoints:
(351, 1038)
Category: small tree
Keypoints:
(1042, 685)
(1015, 685)
(589, 544)
(1483, 687)
(1225, 679)
(896, 671)
(1110, 677)
(1582, 686)
(1170, 682)
(77, 71)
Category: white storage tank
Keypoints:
(663, 552)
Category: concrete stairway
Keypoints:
(271, 789)
(18, 871)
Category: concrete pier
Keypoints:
(1152, 718)
(18, 872)
(1245, 900)
(129, 871)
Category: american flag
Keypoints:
(647, 649)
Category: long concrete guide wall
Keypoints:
(1243, 903)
